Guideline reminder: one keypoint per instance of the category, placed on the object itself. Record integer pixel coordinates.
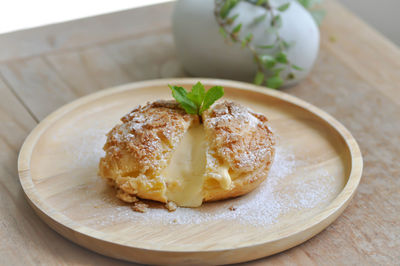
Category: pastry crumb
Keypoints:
(171, 206)
(122, 195)
(140, 207)
(232, 208)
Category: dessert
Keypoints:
(161, 152)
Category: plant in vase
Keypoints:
(273, 43)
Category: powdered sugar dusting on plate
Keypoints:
(261, 207)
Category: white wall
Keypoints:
(383, 15)
(23, 14)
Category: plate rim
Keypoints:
(328, 214)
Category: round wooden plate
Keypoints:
(315, 174)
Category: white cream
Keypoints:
(223, 177)
(185, 173)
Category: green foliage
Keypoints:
(271, 58)
(237, 28)
(274, 82)
(259, 78)
(227, 6)
(181, 97)
(297, 67)
(197, 100)
(259, 19)
(212, 95)
(276, 21)
(284, 7)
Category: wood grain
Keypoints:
(38, 84)
(25, 238)
(355, 79)
(58, 171)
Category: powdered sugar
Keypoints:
(262, 207)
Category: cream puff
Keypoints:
(161, 153)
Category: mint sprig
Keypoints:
(197, 100)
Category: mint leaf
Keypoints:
(211, 96)
(197, 94)
(197, 100)
(284, 7)
(181, 97)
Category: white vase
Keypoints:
(203, 51)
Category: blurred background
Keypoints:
(22, 14)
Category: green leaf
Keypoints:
(284, 7)
(274, 82)
(246, 40)
(180, 96)
(211, 96)
(297, 67)
(232, 19)
(276, 21)
(305, 3)
(268, 61)
(261, 2)
(281, 58)
(237, 28)
(259, 78)
(223, 32)
(309, 3)
(226, 8)
(259, 19)
(287, 45)
(197, 94)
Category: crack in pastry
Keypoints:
(162, 153)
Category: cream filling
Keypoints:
(185, 174)
(223, 177)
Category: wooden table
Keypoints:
(356, 79)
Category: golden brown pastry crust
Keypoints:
(139, 149)
(241, 140)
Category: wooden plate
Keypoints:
(315, 174)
